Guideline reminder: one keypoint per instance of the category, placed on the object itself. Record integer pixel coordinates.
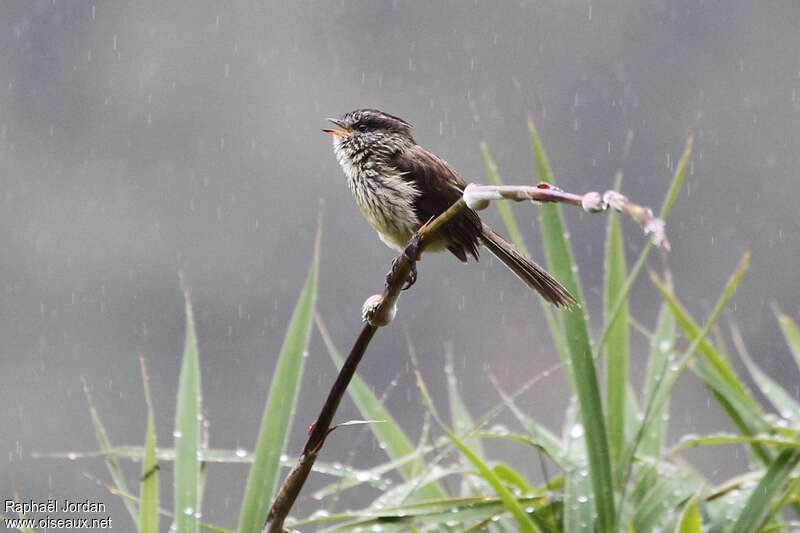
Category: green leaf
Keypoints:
(581, 363)
(462, 424)
(698, 337)
(511, 503)
(376, 476)
(388, 432)
(722, 505)
(662, 393)
(672, 194)
(790, 332)
(461, 419)
(690, 519)
(523, 520)
(791, 495)
(617, 347)
(633, 415)
(717, 373)
(662, 346)
(673, 486)
(433, 513)
(786, 405)
(126, 496)
(187, 432)
(512, 477)
(105, 446)
(677, 182)
(542, 436)
(148, 492)
(769, 487)
(399, 494)
(524, 440)
(278, 410)
(689, 441)
(578, 500)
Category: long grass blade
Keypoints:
(187, 432)
(718, 374)
(560, 261)
(689, 441)
(790, 332)
(662, 393)
(542, 436)
(767, 488)
(461, 419)
(787, 406)
(524, 522)
(671, 488)
(579, 507)
(105, 447)
(672, 195)
(662, 346)
(148, 492)
(280, 404)
(690, 521)
(617, 348)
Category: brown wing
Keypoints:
(440, 187)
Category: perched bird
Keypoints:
(398, 186)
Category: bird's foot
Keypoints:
(411, 255)
(412, 277)
(412, 251)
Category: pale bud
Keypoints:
(615, 200)
(592, 202)
(371, 311)
(474, 199)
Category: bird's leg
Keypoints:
(411, 253)
(412, 277)
(391, 271)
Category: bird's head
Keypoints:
(369, 127)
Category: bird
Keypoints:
(398, 186)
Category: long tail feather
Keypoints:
(532, 274)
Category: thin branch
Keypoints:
(380, 309)
(477, 197)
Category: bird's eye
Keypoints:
(362, 127)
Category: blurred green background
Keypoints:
(138, 140)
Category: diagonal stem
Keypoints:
(380, 309)
(400, 272)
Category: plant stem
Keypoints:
(381, 312)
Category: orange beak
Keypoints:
(344, 131)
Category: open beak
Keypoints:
(344, 131)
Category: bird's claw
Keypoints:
(412, 277)
(411, 254)
(391, 272)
